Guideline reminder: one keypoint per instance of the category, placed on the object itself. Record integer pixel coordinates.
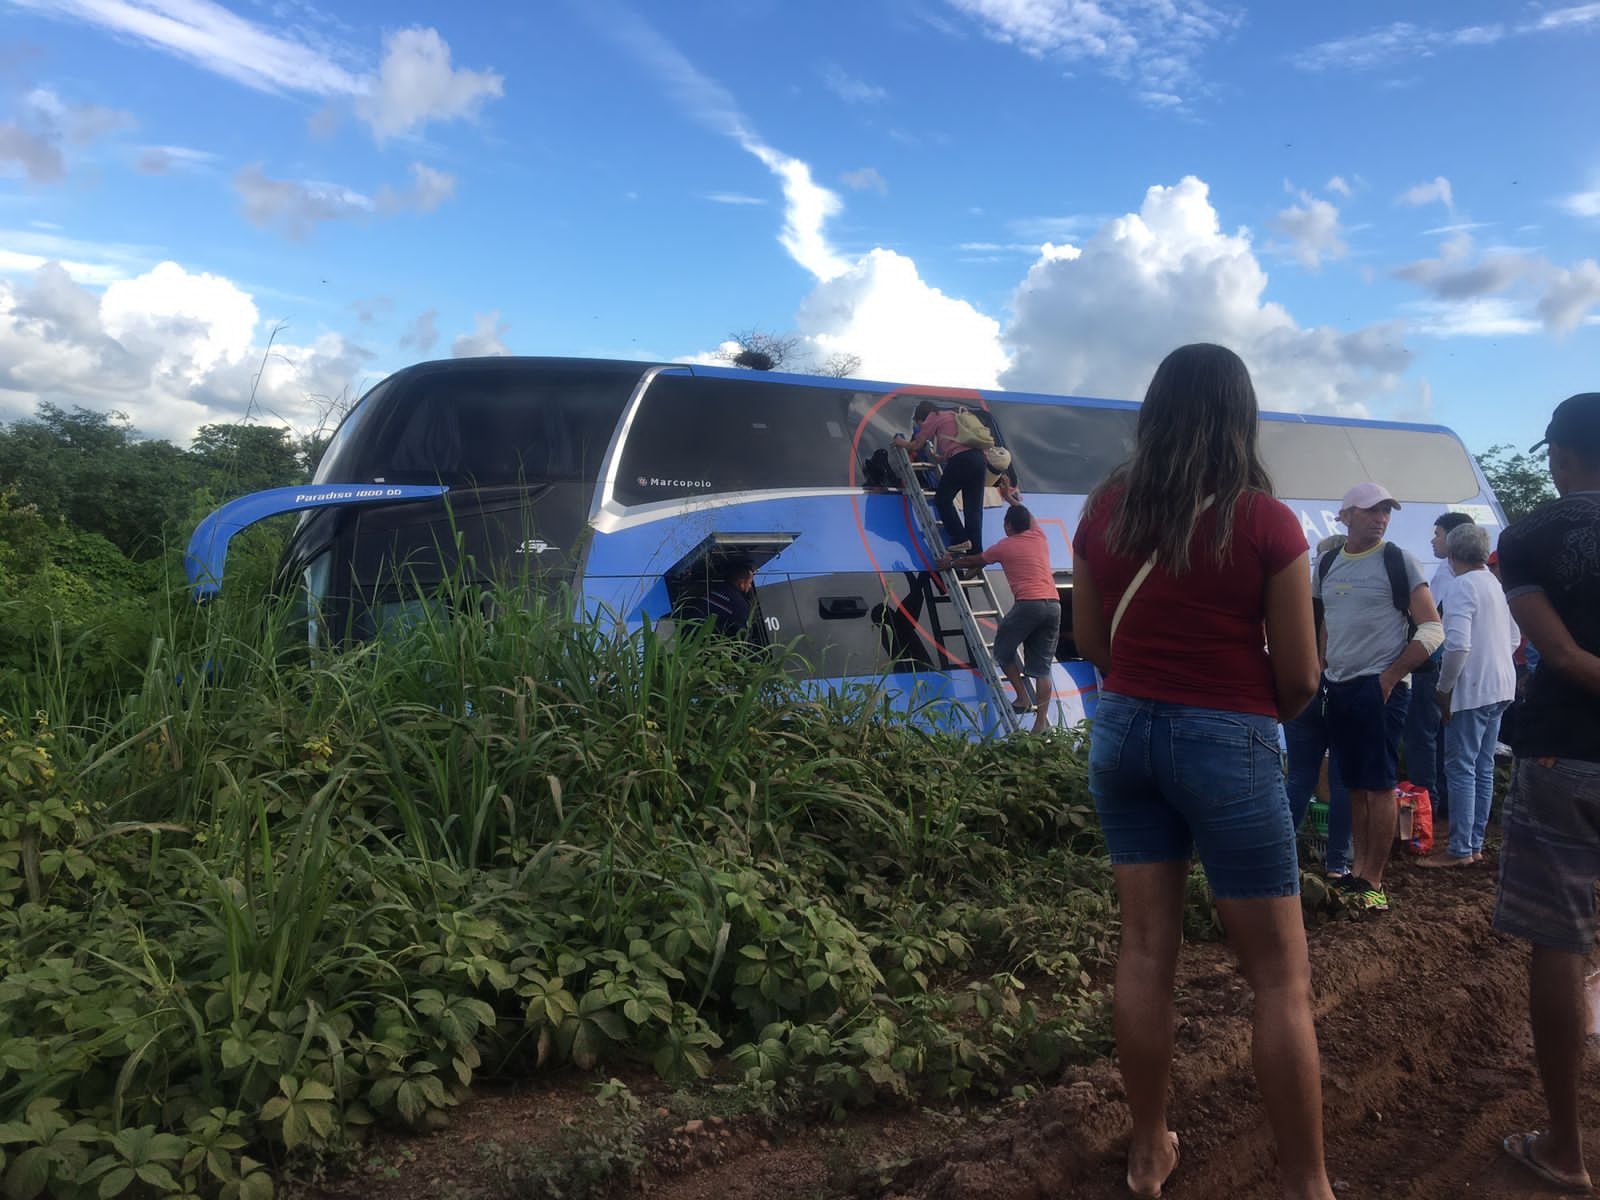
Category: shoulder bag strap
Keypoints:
(1138, 581)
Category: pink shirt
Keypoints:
(1026, 559)
(940, 428)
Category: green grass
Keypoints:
(254, 900)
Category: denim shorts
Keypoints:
(1035, 625)
(1364, 731)
(1170, 781)
(1550, 859)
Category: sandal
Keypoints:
(1177, 1155)
(1520, 1147)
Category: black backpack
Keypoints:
(876, 471)
(1394, 562)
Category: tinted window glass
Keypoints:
(693, 436)
(1423, 466)
(1322, 462)
(1062, 448)
(335, 464)
(492, 424)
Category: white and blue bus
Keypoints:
(633, 482)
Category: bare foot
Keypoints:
(1148, 1173)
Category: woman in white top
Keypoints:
(1477, 681)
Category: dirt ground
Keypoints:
(1427, 1063)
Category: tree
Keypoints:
(1521, 482)
(248, 458)
(757, 350)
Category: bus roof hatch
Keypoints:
(708, 559)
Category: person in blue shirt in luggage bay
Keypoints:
(1378, 624)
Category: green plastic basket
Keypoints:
(1317, 819)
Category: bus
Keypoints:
(635, 483)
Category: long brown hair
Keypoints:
(1196, 438)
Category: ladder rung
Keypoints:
(986, 612)
(980, 581)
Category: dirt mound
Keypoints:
(1427, 1062)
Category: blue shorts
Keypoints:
(1364, 731)
(1170, 780)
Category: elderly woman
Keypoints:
(1477, 682)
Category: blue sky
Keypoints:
(1388, 209)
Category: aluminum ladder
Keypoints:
(971, 598)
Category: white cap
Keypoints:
(1367, 495)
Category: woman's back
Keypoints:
(1197, 637)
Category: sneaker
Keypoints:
(1374, 900)
(955, 548)
(1351, 882)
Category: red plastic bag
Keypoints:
(1418, 838)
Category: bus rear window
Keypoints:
(695, 436)
(489, 424)
(1322, 462)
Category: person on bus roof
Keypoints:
(962, 472)
(1379, 624)
(1183, 556)
(1034, 619)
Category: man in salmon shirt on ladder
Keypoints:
(1034, 621)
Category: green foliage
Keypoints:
(1520, 481)
(249, 909)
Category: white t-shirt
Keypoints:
(1440, 583)
(1478, 621)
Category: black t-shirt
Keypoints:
(1556, 550)
(730, 609)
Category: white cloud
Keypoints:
(881, 310)
(423, 335)
(296, 207)
(850, 89)
(1403, 42)
(31, 145)
(1152, 46)
(24, 251)
(1312, 227)
(1567, 18)
(416, 85)
(734, 198)
(34, 155)
(429, 189)
(1583, 204)
(1569, 295)
(165, 160)
(1339, 187)
(1482, 316)
(174, 348)
(1501, 290)
(866, 179)
(1099, 322)
(485, 338)
(211, 37)
(1436, 190)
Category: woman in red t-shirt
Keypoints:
(1182, 560)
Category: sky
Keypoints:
(255, 211)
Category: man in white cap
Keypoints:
(1377, 623)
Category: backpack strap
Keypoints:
(1394, 561)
